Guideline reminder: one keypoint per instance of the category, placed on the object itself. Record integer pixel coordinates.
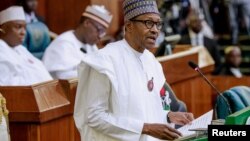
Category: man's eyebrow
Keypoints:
(150, 18)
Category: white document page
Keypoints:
(201, 122)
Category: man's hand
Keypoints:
(180, 118)
(160, 131)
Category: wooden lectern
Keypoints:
(70, 87)
(186, 82)
(39, 112)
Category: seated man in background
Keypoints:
(30, 7)
(38, 36)
(232, 62)
(18, 65)
(195, 37)
(65, 53)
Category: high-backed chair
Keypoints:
(232, 101)
(176, 104)
(4, 123)
(37, 38)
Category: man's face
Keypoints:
(234, 58)
(31, 5)
(14, 32)
(144, 30)
(195, 24)
(96, 32)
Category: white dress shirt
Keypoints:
(236, 72)
(30, 17)
(196, 39)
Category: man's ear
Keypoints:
(85, 23)
(128, 26)
(2, 31)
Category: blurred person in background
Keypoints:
(38, 36)
(237, 8)
(66, 52)
(195, 37)
(18, 65)
(232, 63)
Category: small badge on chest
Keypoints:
(30, 61)
(151, 84)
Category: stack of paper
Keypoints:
(201, 123)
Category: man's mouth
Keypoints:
(152, 38)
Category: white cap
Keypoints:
(231, 48)
(99, 14)
(11, 14)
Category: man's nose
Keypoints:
(154, 29)
(23, 31)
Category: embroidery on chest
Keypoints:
(165, 99)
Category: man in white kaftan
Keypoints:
(18, 66)
(65, 53)
(118, 95)
(120, 106)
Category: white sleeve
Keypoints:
(67, 74)
(99, 112)
(10, 75)
(60, 56)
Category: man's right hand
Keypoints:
(160, 131)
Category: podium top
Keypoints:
(36, 103)
(175, 65)
(204, 58)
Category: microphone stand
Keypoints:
(196, 68)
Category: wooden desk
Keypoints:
(226, 82)
(70, 87)
(39, 112)
(223, 83)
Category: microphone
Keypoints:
(196, 68)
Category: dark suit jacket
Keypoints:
(225, 70)
(211, 46)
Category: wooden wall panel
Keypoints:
(62, 15)
(199, 96)
(56, 130)
(226, 82)
(6, 3)
(18, 131)
(41, 9)
(115, 7)
(196, 93)
(223, 83)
